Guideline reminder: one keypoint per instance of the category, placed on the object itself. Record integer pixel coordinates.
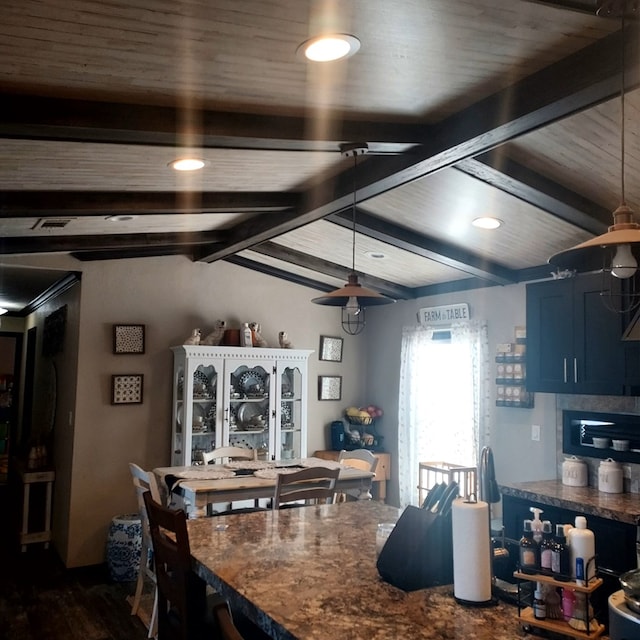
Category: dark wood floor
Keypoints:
(41, 600)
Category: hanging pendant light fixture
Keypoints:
(353, 297)
(614, 253)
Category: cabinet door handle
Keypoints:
(575, 370)
(564, 365)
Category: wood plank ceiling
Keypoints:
(507, 108)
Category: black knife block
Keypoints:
(419, 551)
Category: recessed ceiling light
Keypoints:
(187, 164)
(121, 218)
(376, 255)
(486, 222)
(327, 48)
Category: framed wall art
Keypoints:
(330, 349)
(126, 388)
(329, 387)
(128, 338)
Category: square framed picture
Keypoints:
(330, 349)
(126, 388)
(329, 387)
(128, 338)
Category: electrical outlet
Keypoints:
(535, 432)
(626, 471)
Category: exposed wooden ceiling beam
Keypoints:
(46, 118)
(134, 252)
(281, 274)
(280, 252)
(116, 241)
(583, 79)
(583, 6)
(426, 247)
(16, 204)
(517, 180)
(522, 275)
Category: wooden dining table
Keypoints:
(310, 574)
(199, 486)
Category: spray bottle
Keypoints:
(536, 524)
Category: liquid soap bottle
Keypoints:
(536, 524)
(529, 550)
(560, 556)
(546, 549)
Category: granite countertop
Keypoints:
(310, 574)
(623, 507)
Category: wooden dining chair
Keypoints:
(145, 481)
(361, 459)
(313, 483)
(221, 455)
(185, 612)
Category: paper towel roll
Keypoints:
(471, 551)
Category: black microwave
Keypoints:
(601, 435)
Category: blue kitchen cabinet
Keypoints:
(573, 341)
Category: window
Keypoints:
(444, 389)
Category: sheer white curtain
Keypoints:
(444, 400)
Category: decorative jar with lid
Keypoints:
(610, 476)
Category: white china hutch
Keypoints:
(245, 397)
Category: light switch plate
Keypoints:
(535, 432)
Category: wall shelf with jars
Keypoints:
(511, 372)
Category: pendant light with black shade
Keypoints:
(353, 297)
(614, 253)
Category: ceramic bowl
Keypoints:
(620, 445)
(601, 443)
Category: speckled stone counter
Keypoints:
(310, 574)
(623, 507)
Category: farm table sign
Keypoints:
(445, 314)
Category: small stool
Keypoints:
(124, 545)
(29, 477)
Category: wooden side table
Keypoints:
(383, 471)
(29, 477)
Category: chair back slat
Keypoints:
(313, 483)
(223, 454)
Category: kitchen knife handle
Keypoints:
(446, 499)
(434, 495)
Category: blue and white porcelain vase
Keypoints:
(124, 545)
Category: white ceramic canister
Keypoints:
(610, 476)
(574, 472)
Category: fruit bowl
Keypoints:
(359, 419)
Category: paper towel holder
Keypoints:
(491, 600)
